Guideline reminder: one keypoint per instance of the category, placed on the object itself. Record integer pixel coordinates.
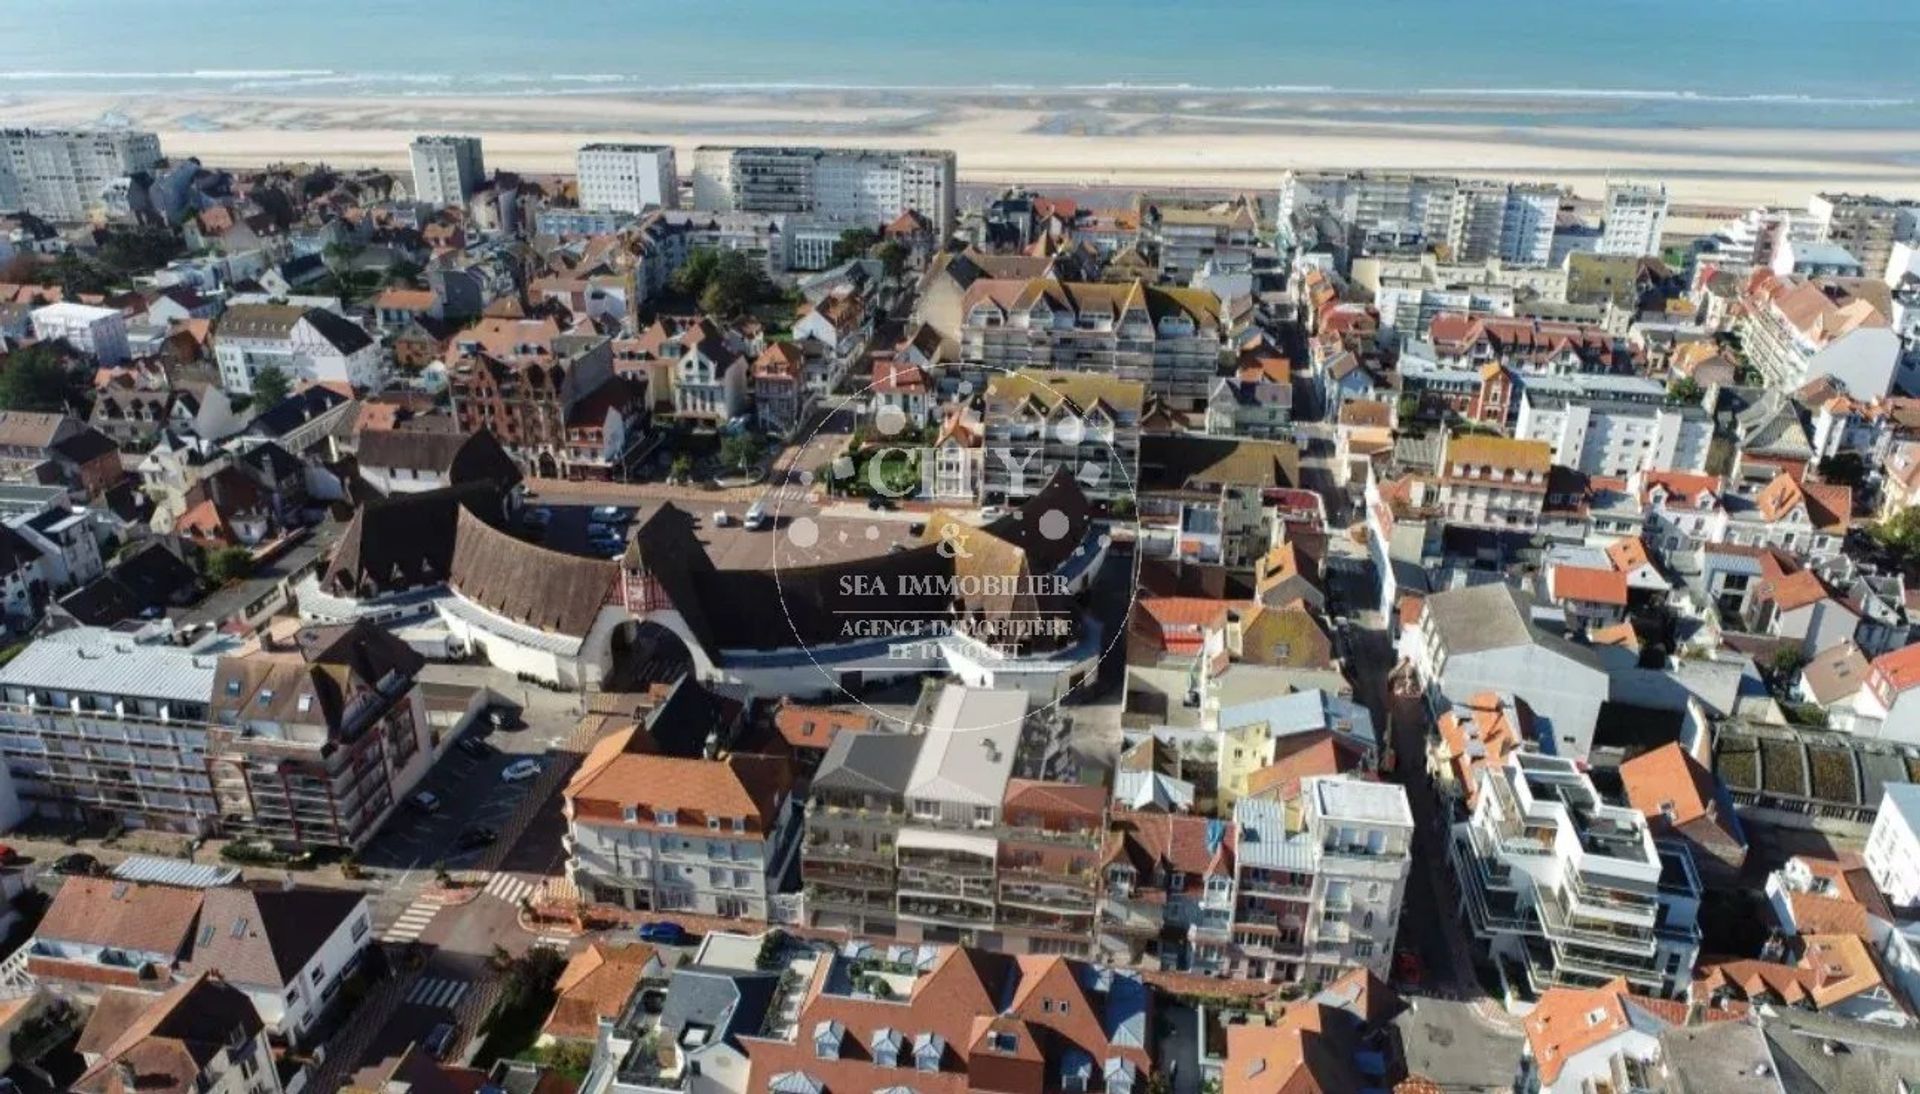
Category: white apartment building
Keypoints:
(1601, 436)
(1865, 224)
(1316, 891)
(301, 343)
(628, 178)
(1568, 891)
(668, 833)
(1634, 219)
(1893, 846)
(1797, 329)
(845, 186)
(446, 170)
(1411, 292)
(60, 174)
(1476, 219)
(99, 333)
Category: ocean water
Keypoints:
(1769, 63)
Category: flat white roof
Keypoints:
(970, 742)
(97, 661)
(1354, 799)
(67, 309)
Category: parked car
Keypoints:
(501, 716)
(722, 518)
(756, 518)
(520, 771)
(77, 864)
(425, 801)
(8, 856)
(1406, 969)
(665, 933)
(474, 746)
(440, 1041)
(478, 835)
(879, 502)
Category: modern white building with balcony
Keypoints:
(1564, 890)
(1316, 889)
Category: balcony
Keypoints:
(1564, 925)
(1491, 912)
(829, 851)
(961, 913)
(963, 866)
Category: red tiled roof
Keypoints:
(1588, 586)
(1901, 667)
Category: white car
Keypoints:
(722, 518)
(520, 771)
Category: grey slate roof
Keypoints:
(727, 1002)
(1496, 616)
(1866, 1056)
(266, 936)
(869, 763)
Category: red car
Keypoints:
(1406, 968)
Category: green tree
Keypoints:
(227, 565)
(39, 378)
(128, 251)
(682, 467)
(853, 243)
(1899, 533)
(693, 275)
(79, 276)
(893, 257)
(570, 1059)
(270, 387)
(1684, 390)
(740, 450)
(1846, 469)
(735, 285)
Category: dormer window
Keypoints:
(630, 814)
(663, 817)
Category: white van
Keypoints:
(756, 517)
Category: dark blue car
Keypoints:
(663, 933)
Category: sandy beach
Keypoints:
(1080, 138)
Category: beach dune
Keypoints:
(1084, 138)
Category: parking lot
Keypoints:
(471, 794)
(732, 546)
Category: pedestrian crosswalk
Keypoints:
(437, 991)
(511, 889)
(412, 921)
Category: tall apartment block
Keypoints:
(938, 837)
(1866, 225)
(59, 173)
(446, 170)
(1634, 219)
(852, 186)
(1317, 885)
(310, 749)
(628, 178)
(1565, 890)
(1477, 220)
